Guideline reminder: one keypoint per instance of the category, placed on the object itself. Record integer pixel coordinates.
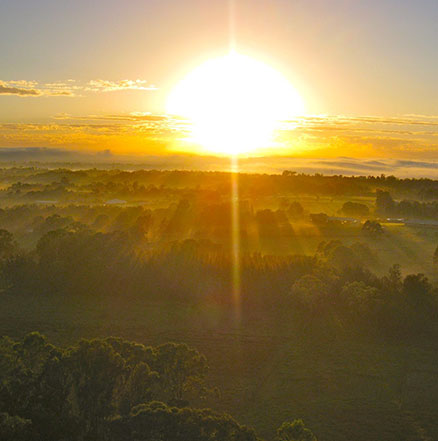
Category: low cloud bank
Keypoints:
(275, 165)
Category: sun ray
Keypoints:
(234, 105)
(235, 235)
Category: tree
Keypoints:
(360, 297)
(417, 289)
(156, 421)
(295, 431)
(71, 394)
(342, 257)
(288, 173)
(94, 370)
(384, 203)
(309, 291)
(132, 352)
(138, 387)
(8, 246)
(295, 210)
(14, 428)
(366, 255)
(392, 283)
(355, 209)
(17, 273)
(182, 369)
(325, 248)
(372, 228)
(33, 385)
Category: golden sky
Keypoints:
(413, 136)
(97, 75)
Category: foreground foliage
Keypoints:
(73, 391)
(107, 389)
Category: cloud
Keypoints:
(406, 137)
(416, 164)
(145, 136)
(61, 88)
(9, 89)
(23, 83)
(70, 87)
(60, 93)
(111, 86)
(44, 154)
(133, 116)
(342, 165)
(30, 153)
(26, 88)
(311, 137)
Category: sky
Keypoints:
(95, 75)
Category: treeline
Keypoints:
(106, 389)
(386, 205)
(31, 183)
(336, 282)
(267, 230)
(112, 390)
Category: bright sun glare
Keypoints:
(234, 104)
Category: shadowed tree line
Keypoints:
(111, 390)
(33, 183)
(336, 282)
(414, 209)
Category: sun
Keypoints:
(234, 104)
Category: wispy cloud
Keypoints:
(25, 88)
(111, 86)
(9, 88)
(70, 87)
(62, 88)
(407, 138)
(153, 134)
(342, 165)
(23, 83)
(133, 116)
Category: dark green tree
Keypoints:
(182, 370)
(95, 371)
(417, 289)
(295, 210)
(295, 431)
(140, 385)
(8, 246)
(384, 203)
(355, 209)
(14, 428)
(156, 421)
(33, 385)
(360, 298)
(310, 292)
(372, 228)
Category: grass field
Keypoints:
(345, 387)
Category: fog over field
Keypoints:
(348, 166)
(218, 220)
